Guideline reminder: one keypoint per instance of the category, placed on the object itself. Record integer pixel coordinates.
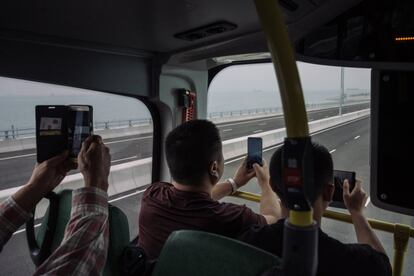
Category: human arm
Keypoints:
(355, 203)
(270, 205)
(241, 178)
(17, 209)
(84, 247)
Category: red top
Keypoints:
(165, 209)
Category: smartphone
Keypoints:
(80, 127)
(61, 127)
(254, 151)
(51, 131)
(339, 178)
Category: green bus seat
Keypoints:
(118, 230)
(189, 253)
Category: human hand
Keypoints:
(94, 162)
(354, 201)
(262, 174)
(48, 174)
(243, 174)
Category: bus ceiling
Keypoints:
(117, 43)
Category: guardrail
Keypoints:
(274, 110)
(16, 133)
(402, 233)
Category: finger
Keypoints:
(93, 147)
(86, 144)
(358, 186)
(345, 188)
(97, 139)
(257, 168)
(54, 161)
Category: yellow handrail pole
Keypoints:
(376, 224)
(401, 237)
(296, 120)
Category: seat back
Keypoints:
(198, 253)
(53, 225)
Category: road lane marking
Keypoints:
(332, 151)
(123, 159)
(368, 201)
(128, 195)
(17, 156)
(127, 140)
(23, 230)
(262, 124)
(257, 131)
(247, 122)
(356, 137)
(225, 130)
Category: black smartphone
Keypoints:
(80, 127)
(61, 127)
(254, 151)
(339, 178)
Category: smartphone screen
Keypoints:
(51, 131)
(254, 151)
(339, 178)
(79, 127)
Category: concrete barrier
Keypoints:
(135, 174)
(238, 146)
(122, 178)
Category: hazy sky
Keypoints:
(313, 77)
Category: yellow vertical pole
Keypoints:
(287, 74)
(401, 237)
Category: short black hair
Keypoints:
(322, 171)
(191, 148)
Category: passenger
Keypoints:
(367, 257)
(84, 248)
(195, 159)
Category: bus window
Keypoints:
(125, 124)
(243, 100)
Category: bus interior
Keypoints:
(147, 66)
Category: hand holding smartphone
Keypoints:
(339, 178)
(254, 151)
(60, 128)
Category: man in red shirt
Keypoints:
(196, 163)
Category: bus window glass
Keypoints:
(125, 124)
(244, 100)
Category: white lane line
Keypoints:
(110, 201)
(17, 156)
(368, 201)
(332, 151)
(356, 137)
(234, 160)
(225, 130)
(247, 122)
(24, 229)
(123, 159)
(128, 195)
(127, 140)
(257, 131)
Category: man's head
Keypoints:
(322, 170)
(194, 153)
